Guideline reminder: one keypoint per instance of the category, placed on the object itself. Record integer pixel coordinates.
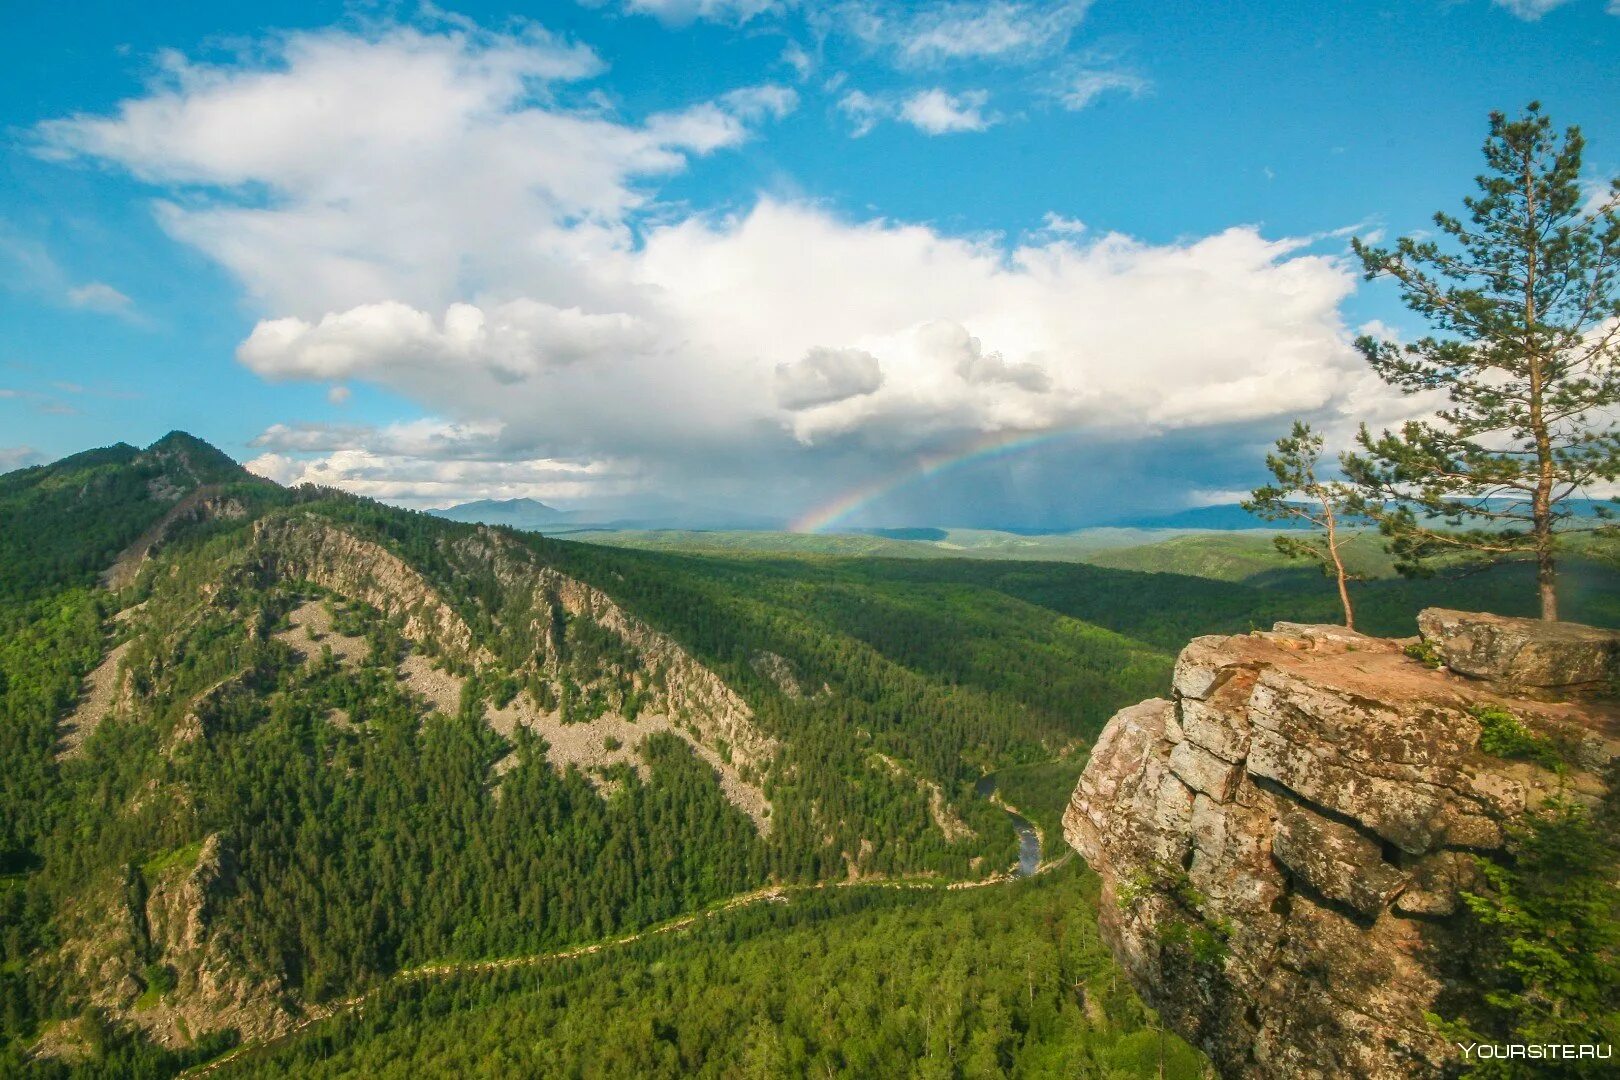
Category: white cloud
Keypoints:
(1058, 225)
(1113, 333)
(1077, 90)
(939, 113)
(958, 30)
(933, 111)
(343, 169)
(27, 266)
(500, 262)
(338, 395)
(1216, 496)
(864, 111)
(799, 59)
(425, 483)
(422, 463)
(99, 296)
(430, 438)
(680, 12)
(1602, 192)
(760, 102)
(965, 353)
(1531, 10)
(17, 457)
(507, 343)
(823, 376)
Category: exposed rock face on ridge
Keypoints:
(1282, 844)
(205, 503)
(168, 914)
(701, 708)
(305, 547)
(693, 693)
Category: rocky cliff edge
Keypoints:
(1282, 843)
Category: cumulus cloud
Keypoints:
(864, 110)
(425, 483)
(28, 266)
(507, 343)
(939, 113)
(405, 164)
(799, 59)
(430, 438)
(965, 353)
(934, 111)
(497, 256)
(823, 376)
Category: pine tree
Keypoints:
(1525, 299)
(1297, 494)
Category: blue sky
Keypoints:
(763, 254)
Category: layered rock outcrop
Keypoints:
(1283, 841)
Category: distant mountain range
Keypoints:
(1227, 517)
(620, 512)
(659, 512)
(528, 514)
(1223, 518)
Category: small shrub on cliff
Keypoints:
(1203, 943)
(1424, 653)
(1502, 735)
(1545, 941)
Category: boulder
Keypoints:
(1522, 652)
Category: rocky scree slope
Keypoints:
(1282, 842)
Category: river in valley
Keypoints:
(1029, 841)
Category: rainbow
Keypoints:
(1000, 444)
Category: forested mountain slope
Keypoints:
(864, 982)
(260, 749)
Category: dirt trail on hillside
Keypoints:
(770, 894)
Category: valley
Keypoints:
(330, 787)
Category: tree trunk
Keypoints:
(1546, 577)
(1338, 565)
(1344, 598)
(1541, 499)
